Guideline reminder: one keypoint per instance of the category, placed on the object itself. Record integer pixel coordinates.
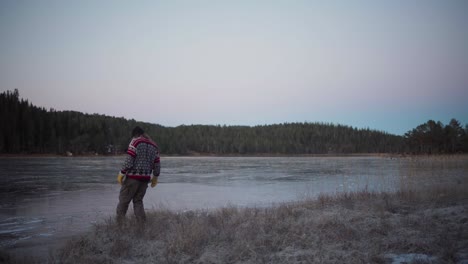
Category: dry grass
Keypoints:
(361, 227)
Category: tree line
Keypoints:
(434, 138)
(30, 129)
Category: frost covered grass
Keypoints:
(361, 227)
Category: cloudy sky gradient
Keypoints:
(386, 65)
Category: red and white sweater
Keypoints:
(142, 159)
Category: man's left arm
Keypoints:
(156, 169)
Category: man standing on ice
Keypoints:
(141, 166)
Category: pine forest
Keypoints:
(28, 129)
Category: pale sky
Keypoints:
(386, 65)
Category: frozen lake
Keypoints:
(46, 199)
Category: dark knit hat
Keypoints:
(137, 131)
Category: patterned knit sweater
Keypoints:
(142, 159)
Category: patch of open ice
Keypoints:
(15, 230)
(45, 234)
(408, 258)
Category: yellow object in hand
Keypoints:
(120, 178)
(154, 182)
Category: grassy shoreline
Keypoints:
(429, 226)
(426, 226)
(426, 222)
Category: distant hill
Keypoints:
(30, 129)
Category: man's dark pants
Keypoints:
(132, 190)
